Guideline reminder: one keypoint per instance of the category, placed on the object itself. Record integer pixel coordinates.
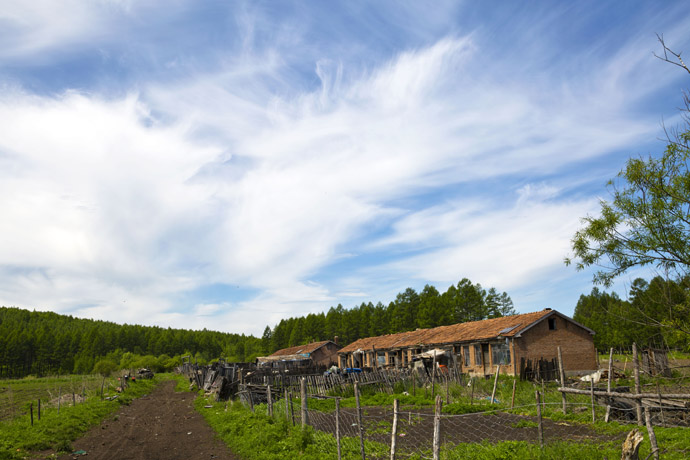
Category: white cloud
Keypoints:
(248, 175)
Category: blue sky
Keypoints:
(228, 164)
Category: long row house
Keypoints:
(479, 347)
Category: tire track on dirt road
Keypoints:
(160, 426)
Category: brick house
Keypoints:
(324, 353)
(478, 347)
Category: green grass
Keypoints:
(57, 431)
(256, 436)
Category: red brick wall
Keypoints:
(577, 345)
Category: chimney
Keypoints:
(335, 340)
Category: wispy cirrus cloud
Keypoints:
(307, 172)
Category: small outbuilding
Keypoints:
(324, 353)
(478, 347)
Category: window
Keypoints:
(466, 355)
(478, 355)
(500, 353)
(552, 324)
(381, 358)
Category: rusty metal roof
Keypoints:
(506, 326)
(301, 349)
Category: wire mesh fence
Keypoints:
(378, 431)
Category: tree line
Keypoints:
(648, 317)
(46, 343)
(410, 310)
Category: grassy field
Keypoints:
(254, 435)
(17, 395)
(56, 430)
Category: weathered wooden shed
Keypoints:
(478, 347)
(324, 353)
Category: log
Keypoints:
(614, 394)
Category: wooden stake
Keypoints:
(608, 384)
(394, 429)
(292, 410)
(661, 408)
(269, 400)
(31, 410)
(591, 392)
(59, 398)
(39, 409)
(433, 376)
(543, 392)
(472, 394)
(337, 426)
(512, 400)
(540, 427)
(447, 390)
(493, 392)
(561, 369)
(636, 367)
(437, 429)
(287, 404)
(359, 422)
(650, 432)
(303, 396)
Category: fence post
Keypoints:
(287, 402)
(31, 409)
(394, 430)
(292, 410)
(512, 400)
(59, 398)
(591, 392)
(608, 386)
(102, 385)
(269, 400)
(359, 421)
(636, 368)
(437, 428)
(303, 397)
(39, 409)
(472, 393)
(337, 426)
(540, 427)
(650, 431)
(433, 376)
(561, 370)
(493, 392)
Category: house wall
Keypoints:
(577, 345)
(326, 355)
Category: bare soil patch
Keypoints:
(162, 425)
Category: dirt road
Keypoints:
(160, 426)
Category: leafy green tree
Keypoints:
(647, 221)
(105, 367)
